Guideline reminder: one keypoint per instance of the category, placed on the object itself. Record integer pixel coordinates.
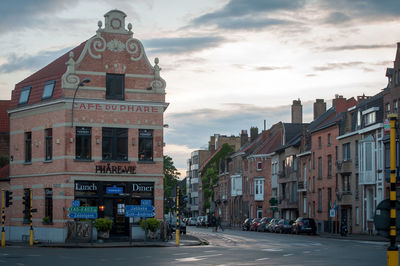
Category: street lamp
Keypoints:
(81, 84)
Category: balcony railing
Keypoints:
(345, 197)
(301, 186)
(344, 166)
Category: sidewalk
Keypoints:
(185, 240)
(361, 237)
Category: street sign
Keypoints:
(139, 214)
(83, 209)
(114, 190)
(139, 208)
(145, 202)
(76, 203)
(332, 213)
(82, 215)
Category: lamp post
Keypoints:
(81, 84)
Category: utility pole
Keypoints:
(3, 219)
(177, 231)
(392, 251)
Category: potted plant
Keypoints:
(150, 225)
(103, 226)
(46, 220)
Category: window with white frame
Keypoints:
(259, 189)
(370, 118)
(259, 166)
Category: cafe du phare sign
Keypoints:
(130, 108)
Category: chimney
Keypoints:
(341, 104)
(297, 112)
(253, 133)
(319, 108)
(244, 138)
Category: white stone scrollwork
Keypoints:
(69, 79)
(157, 84)
(135, 48)
(115, 46)
(99, 45)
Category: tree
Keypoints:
(171, 176)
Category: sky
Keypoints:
(229, 64)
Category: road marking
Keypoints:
(306, 251)
(262, 259)
(287, 255)
(21, 264)
(197, 258)
(179, 254)
(272, 249)
(210, 251)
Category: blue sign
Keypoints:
(82, 215)
(139, 214)
(139, 208)
(114, 190)
(76, 203)
(145, 202)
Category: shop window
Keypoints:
(115, 86)
(48, 89)
(48, 204)
(83, 142)
(24, 96)
(115, 144)
(145, 145)
(48, 133)
(28, 147)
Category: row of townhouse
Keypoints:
(334, 169)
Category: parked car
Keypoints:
(304, 225)
(262, 227)
(172, 224)
(198, 222)
(271, 225)
(246, 224)
(283, 226)
(192, 221)
(254, 224)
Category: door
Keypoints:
(114, 209)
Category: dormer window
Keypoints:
(24, 97)
(48, 89)
(370, 115)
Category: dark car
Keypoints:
(262, 227)
(304, 225)
(246, 224)
(254, 224)
(272, 224)
(182, 226)
(283, 226)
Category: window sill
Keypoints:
(27, 163)
(83, 160)
(48, 161)
(114, 161)
(146, 162)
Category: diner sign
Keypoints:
(117, 107)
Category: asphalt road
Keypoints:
(226, 248)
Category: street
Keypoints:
(226, 248)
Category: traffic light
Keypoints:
(27, 199)
(8, 198)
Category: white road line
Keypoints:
(272, 249)
(179, 254)
(306, 251)
(287, 255)
(262, 259)
(189, 259)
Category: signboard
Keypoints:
(82, 215)
(139, 208)
(386, 126)
(145, 202)
(114, 190)
(143, 214)
(83, 209)
(332, 213)
(76, 203)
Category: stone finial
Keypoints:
(130, 27)
(100, 24)
(157, 69)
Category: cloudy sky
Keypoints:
(228, 64)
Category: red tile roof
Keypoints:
(4, 119)
(52, 71)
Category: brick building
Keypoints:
(88, 127)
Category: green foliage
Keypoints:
(152, 224)
(103, 224)
(4, 160)
(171, 176)
(46, 219)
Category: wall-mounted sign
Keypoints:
(85, 186)
(114, 190)
(115, 169)
(117, 107)
(138, 187)
(76, 203)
